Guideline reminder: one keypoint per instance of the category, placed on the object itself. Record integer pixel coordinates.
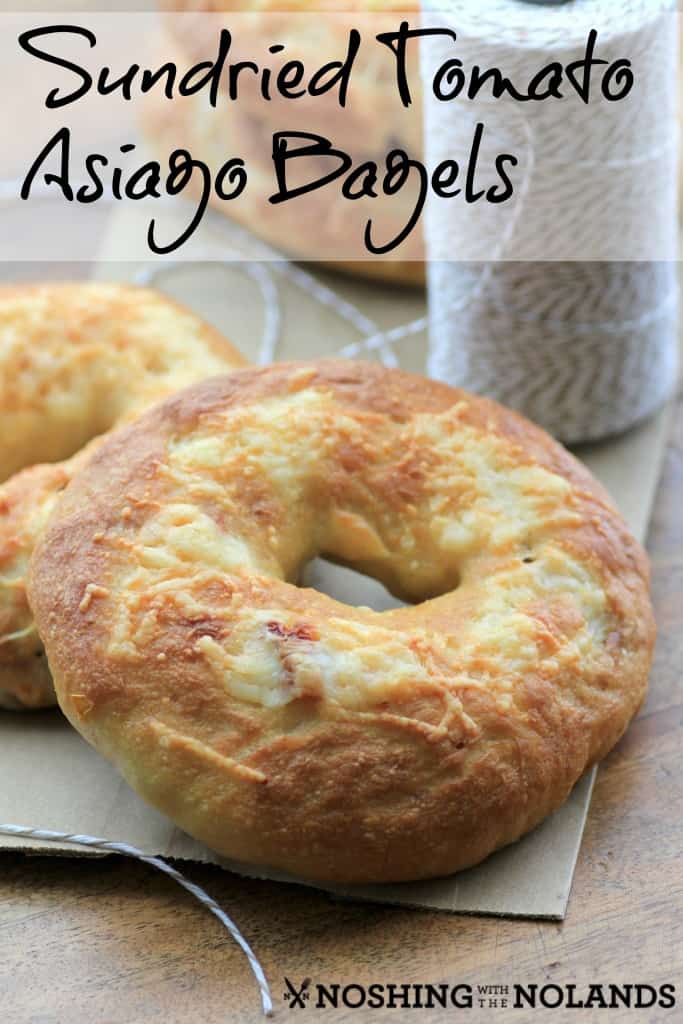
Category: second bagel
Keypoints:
(75, 361)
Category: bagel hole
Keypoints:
(348, 586)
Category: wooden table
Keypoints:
(112, 942)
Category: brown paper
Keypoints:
(52, 779)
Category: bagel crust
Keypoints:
(75, 361)
(282, 727)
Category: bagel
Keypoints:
(75, 361)
(283, 728)
(322, 225)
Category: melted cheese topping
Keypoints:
(258, 490)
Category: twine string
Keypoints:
(258, 272)
(126, 850)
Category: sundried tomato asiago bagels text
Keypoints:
(284, 728)
(75, 360)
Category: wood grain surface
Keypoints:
(111, 942)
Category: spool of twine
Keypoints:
(567, 306)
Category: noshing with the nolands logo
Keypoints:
(430, 996)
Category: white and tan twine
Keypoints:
(567, 306)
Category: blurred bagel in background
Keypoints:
(323, 225)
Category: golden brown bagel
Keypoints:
(284, 728)
(75, 360)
